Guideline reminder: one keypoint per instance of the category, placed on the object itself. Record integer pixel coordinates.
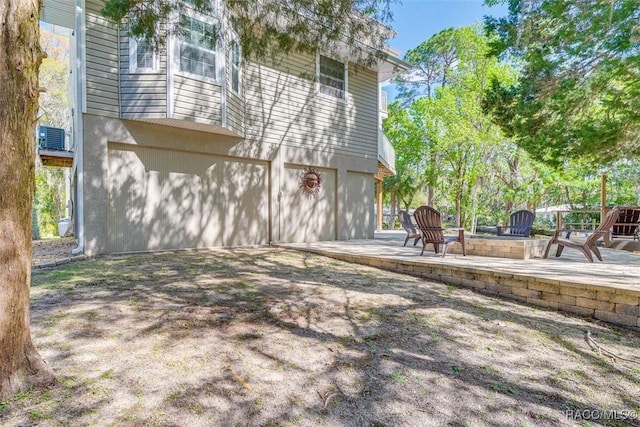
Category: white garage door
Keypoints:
(164, 199)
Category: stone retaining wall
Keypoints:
(613, 305)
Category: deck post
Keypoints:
(379, 203)
(603, 206)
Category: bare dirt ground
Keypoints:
(272, 337)
(51, 249)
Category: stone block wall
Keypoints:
(619, 306)
(501, 248)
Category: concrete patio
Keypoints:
(608, 290)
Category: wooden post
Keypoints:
(379, 203)
(603, 206)
(603, 195)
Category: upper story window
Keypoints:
(234, 65)
(197, 47)
(142, 59)
(332, 77)
(383, 101)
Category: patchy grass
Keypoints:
(272, 337)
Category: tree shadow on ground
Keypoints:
(277, 337)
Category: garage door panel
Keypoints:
(308, 218)
(162, 199)
(359, 211)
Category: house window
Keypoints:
(383, 101)
(142, 59)
(332, 77)
(197, 48)
(234, 52)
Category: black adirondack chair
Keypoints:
(520, 224)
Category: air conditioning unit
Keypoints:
(50, 138)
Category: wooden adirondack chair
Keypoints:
(627, 223)
(430, 226)
(589, 245)
(520, 224)
(407, 224)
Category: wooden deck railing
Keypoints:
(585, 224)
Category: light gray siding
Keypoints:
(101, 62)
(197, 100)
(142, 95)
(235, 113)
(59, 12)
(278, 105)
(364, 92)
(234, 101)
(283, 108)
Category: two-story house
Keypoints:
(196, 146)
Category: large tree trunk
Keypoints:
(21, 366)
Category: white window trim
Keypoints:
(133, 59)
(384, 103)
(346, 79)
(176, 51)
(235, 39)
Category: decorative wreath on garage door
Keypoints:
(310, 181)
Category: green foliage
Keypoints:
(406, 131)
(578, 94)
(398, 377)
(434, 61)
(50, 198)
(403, 186)
(442, 133)
(445, 137)
(54, 78)
(623, 183)
(271, 28)
(513, 181)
